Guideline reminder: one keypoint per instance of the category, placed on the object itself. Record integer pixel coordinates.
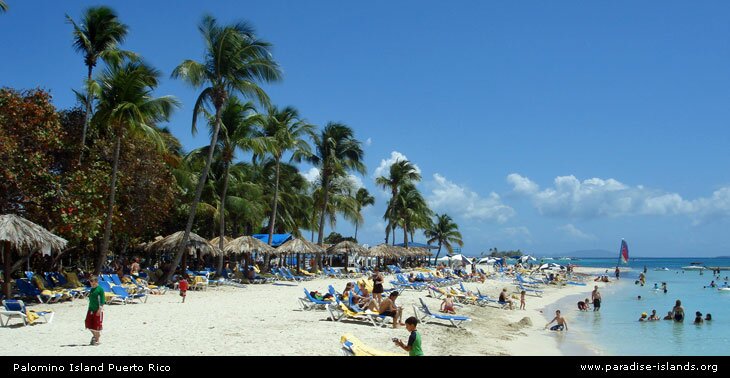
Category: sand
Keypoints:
(267, 320)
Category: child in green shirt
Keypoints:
(414, 340)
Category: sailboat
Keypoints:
(623, 254)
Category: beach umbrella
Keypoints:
(381, 250)
(487, 260)
(216, 239)
(24, 236)
(194, 244)
(526, 258)
(298, 245)
(346, 247)
(247, 244)
(551, 266)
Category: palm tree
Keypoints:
(445, 232)
(284, 131)
(235, 60)
(98, 36)
(411, 210)
(401, 172)
(363, 199)
(126, 105)
(237, 130)
(337, 151)
(3, 6)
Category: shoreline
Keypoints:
(266, 319)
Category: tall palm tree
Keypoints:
(97, 36)
(401, 172)
(284, 131)
(337, 152)
(235, 61)
(3, 6)
(237, 132)
(363, 199)
(444, 232)
(126, 105)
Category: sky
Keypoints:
(547, 127)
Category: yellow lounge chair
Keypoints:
(352, 346)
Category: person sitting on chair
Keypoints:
(504, 299)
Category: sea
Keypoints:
(615, 329)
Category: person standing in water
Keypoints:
(596, 299)
(678, 311)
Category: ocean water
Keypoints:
(615, 330)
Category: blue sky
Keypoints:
(548, 127)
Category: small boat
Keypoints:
(659, 269)
(724, 288)
(694, 266)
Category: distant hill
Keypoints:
(591, 253)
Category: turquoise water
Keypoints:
(615, 330)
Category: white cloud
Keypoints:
(595, 197)
(460, 201)
(575, 233)
(369, 142)
(312, 175)
(384, 167)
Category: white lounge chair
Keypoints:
(16, 309)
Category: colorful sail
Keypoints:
(624, 252)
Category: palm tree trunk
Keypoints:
(355, 231)
(222, 222)
(108, 227)
(272, 219)
(196, 200)
(405, 236)
(325, 199)
(5, 250)
(87, 117)
(437, 254)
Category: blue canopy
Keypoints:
(279, 239)
(418, 245)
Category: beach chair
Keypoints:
(122, 292)
(27, 289)
(309, 302)
(288, 274)
(16, 309)
(455, 320)
(529, 291)
(109, 294)
(200, 283)
(352, 346)
(353, 311)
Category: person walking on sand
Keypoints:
(596, 299)
(183, 286)
(562, 324)
(95, 313)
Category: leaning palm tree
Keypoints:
(363, 199)
(126, 105)
(337, 151)
(97, 36)
(401, 172)
(235, 61)
(284, 131)
(3, 6)
(444, 232)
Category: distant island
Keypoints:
(588, 253)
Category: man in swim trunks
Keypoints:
(561, 323)
(596, 298)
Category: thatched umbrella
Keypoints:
(195, 244)
(347, 248)
(247, 244)
(216, 239)
(24, 236)
(300, 246)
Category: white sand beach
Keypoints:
(267, 320)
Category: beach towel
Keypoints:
(31, 316)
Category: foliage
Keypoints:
(334, 238)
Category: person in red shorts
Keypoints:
(95, 314)
(183, 286)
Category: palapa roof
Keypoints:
(382, 250)
(25, 236)
(247, 244)
(346, 247)
(298, 245)
(215, 240)
(195, 243)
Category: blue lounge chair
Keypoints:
(27, 289)
(530, 291)
(309, 302)
(16, 309)
(455, 320)
(126, 297)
